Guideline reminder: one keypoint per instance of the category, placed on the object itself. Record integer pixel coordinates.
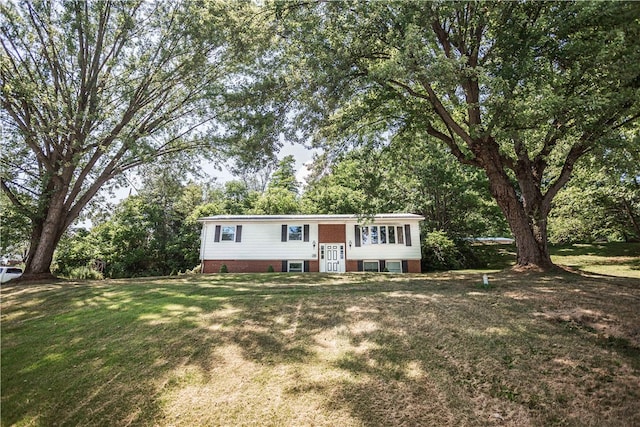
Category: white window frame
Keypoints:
(222, 233)
(399, 270)
(371, 261)
(301, 270)
(372, 234)
(289, 239)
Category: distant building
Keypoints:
(311, 243)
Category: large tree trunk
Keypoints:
(45, 236)
(527, 218)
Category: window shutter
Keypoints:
(357, 230)
(407, 234)
(360, 265)
(283, 236)
(382, 264)
(306, 267)
(306, 232)
(238, 233)
(285, 266)
(400, 236)
(405, 266)
(216, 238)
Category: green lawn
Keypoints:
(315, 349)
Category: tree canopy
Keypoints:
(520, 90)
(91, 89)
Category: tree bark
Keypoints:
(45, 235)
(527, 218)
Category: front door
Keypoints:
(332, 258)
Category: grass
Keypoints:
(315, 349)
(614, 259)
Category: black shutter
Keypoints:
(283, 235)
(400, 236)
(238, 233)
(407, 234)
(383, 264)
(306, 232)
(306, 266)
(285, 266)
(360, 265)
(357, 230)
(216, 238)
(405, 266)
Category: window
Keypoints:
(228, 234)
(295, 232)
(296, 267)
(392, 235)
(374, 235)
(381, 235)
(394, 266)
(365, 235)
(372, 266)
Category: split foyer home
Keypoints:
(311, 243)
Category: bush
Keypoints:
(224, 269)
(439, 252)
(84, 273)
(442, 252)
(270, 269)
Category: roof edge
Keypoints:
(318, 217)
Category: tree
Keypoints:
(285, 175)
(521, 90)
(91, 89)
(602, 201)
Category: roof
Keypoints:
(278, 218)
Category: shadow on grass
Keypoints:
(415, 350)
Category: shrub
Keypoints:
(439, 252)
(84, 273)
(270, 269)
(224, 269)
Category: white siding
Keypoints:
(385, 251)
(260, 241)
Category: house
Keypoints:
(311, 243)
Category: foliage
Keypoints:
(77, 249)
(519, 90)
(285, 175)
(84, 273)
(277, 201)
(602, 202)
(441, 252)
(224, 269)
(91, 89)
(14, 230)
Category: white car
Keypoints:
(8, 273)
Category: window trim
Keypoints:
(222, 233)
(295, 262)
(399, 262)
(370, 261)
(289, 226)
(372, 234)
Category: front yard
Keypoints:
(314, 349)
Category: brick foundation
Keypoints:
(241, 266)
(262, 266)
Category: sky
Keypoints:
(302, 155)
